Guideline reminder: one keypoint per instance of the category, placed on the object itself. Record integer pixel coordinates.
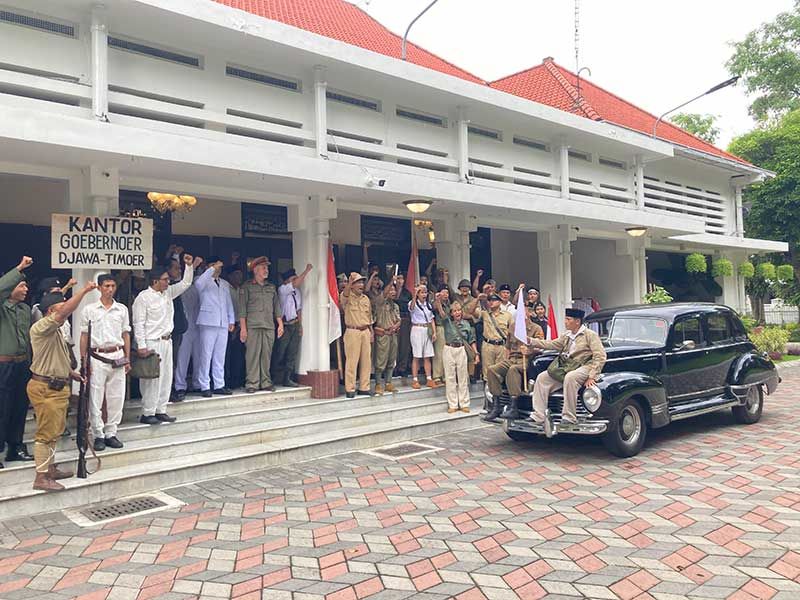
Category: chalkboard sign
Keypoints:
(263, 219)
(386, 230)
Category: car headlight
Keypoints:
(592, 397)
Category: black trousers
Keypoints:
(287, 350)
(235, 361)
(13, 402)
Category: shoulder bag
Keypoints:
(467, 347)
(148, 367)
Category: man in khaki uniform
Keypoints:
(386, 313)
(49, 387)
(259, 311)
(511, 370)
(583, 346)
(496, 326)
(358, 336)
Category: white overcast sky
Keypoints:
(655, 54)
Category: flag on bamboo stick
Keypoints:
(334, 319)
(552, 328)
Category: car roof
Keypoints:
(670, 311)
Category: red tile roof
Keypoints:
(347, 23)
(547, 83)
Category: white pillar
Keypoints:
(463, 145)
(738, 213)
(452, 245)
(563, 164)
(632, 253)
(321, 111)
(99, 63)
(310, 224)
(639, 182)
(555, 267)
(733, 293)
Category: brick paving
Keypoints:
(708, 510)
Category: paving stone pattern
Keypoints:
(710, 509)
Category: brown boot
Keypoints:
(46, 484)
(390, 388)
(54, 473)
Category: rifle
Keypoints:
(82, 437)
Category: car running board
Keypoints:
(701, 407)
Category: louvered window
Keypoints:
(153, 52)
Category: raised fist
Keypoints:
(480, 273)
(26, 262)
(309, 266)
(196, 262)
(187, 259)
(91, 285)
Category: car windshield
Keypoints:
(650, 331)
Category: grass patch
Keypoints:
(787, 358)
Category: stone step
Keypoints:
(176, 440)
(179, 469)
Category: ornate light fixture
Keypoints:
(164, 203)
(636, 231)
(418, 206)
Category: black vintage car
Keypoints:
(666, 362)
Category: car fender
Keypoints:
(618, 387)
(753, 368)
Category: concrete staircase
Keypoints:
(223, 435)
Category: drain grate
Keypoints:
(122, 509)
(404, 450)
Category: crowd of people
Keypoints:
(201, 325)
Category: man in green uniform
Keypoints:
(259, 311)
(15, 324)
(511, 370)
(386, 313)
(49, 386)
(458, 336)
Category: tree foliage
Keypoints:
(768, 60)
(700, 125)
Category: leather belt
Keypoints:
(108, 349)
(163, 337)
(14, 359)
(56, 383)
(292, 322)
(386, 334)
(494, 342)
(420, 324)
(455, 345)
(359, 327)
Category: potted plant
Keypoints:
(722, 267)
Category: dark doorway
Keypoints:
(387, 241)
(480, 251)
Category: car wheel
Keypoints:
(750, 411)
(521, 436)
(630, 431)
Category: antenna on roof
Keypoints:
(410, 25)
(578, 69)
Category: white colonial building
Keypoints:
(301, 125)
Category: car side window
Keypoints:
(687, 330)
(719, 329)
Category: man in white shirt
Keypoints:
(189, 350)
(504, 291)
(153, 314)
(109, 349)
(215, 320)
(288, 347)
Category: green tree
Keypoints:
(768, 60)
(775, 202)
(700, 125)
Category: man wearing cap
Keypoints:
(386, 315)
(287, 348)
(358, 335)
(110, 350)
(584, 347)
(15, 324)
(153, 320)
(512, 369)
(259, 312)
(215, 320)
(49, 386)
(496, 325)
(504, 291)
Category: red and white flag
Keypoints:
(412, 274)
(334, 318)
(552, 328)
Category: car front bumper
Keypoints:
(582, 427)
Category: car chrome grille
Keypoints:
(556, 406)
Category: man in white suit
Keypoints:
(215, 320)
(190, 344)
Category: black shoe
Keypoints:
(149, 420)
(494, 412)
(113, 442)
(66, 433)
(206, 393)
(291, 383)
(223, 391)
(178, 396)
(363, 393)
(99, 444)
(20, 453)
(512, 410)
(165, 418)
(350, 395)
(269, 388)
(250, 390)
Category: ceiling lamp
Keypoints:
(636, 231)
(164, 203)
(418, 206)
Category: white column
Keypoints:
(99, 63)
(733, 293)
(639, 181)
(738, 212)
(555, 266)
(563, 164)
(310, 225)
(321, 111)
(633, 259)
(452, 245)
(463, 145)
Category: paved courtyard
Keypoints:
(708, 510)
